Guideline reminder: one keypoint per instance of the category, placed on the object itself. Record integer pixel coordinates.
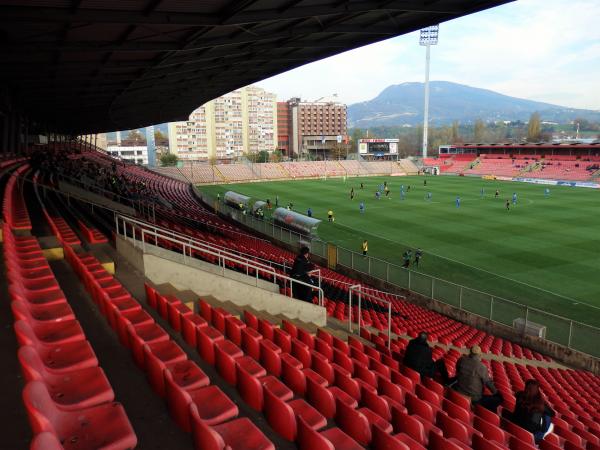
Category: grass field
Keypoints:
(543, 252)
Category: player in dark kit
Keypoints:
(497, 193)
(507, 205)
(352, 194)
(361, 186)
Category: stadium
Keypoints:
(148, 307)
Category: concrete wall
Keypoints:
(163, 266)
(183, 277)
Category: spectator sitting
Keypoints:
(418, 356)
(532, 412)
(471, 378)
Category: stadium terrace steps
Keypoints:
(387, 393)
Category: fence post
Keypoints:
(570, 333)
(350, 310)
(369, 272)
(526, 318)
(408, 279)
(389, 325)
(460, 298)
(387, 272)
(432, 286)
(491, 307)
(352, 265)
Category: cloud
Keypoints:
(545, 50)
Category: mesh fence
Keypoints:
(476, 302)
(446, 292)
(585, 338)
(505, 312)
(557, 328)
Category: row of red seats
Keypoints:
(570, 433)
(13, 208)
(333, 377)
(91, 234)
(195, 404)
(69, 400)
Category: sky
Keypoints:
(544, 50)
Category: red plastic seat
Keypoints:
(290, 328)
(150, 295)
(518, 432)
(481, 443)
(354, 423)
(46, 441)
(51, 333)
(391, 390)
(324, 398)
(135, 318)
(459, 399)
(382, 440)
(218, 318)
(251, 320)
(157, 355)
(212, 405)
(59, 312)
(251, 342)
(491, 432)
(206, 337)
(175, 312)
(239, 434)
(189, 325)
(270, 357)
(456, 412)
(438, 442)
(419, 407)
(301, 352)
(103, 426)
(330, 439)
(228, 355)
(454, 429)
(487, 415)
(251, 388)
(282, 339)
(233, 329)
(282, 416)
(72, 390)
(266, 328)
(141, 335)
(412, 426)
(347, 384)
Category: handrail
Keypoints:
(188, 246)
(200, 242)
(358, 288)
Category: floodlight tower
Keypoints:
(428, 37)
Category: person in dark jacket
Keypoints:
(300, 271)
(532, 412)
(418, 356)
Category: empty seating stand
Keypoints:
(68, 399)
(195, 404)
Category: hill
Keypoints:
(402, 104)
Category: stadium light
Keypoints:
(427, 38)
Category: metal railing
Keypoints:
(360, 294)
(140, 232)
(561, 330)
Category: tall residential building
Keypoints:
(241, 122)
(310, 127)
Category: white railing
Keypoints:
(360, 294)
(131, 228)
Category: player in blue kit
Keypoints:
(457, 201)
(514, 198)
(361, 207)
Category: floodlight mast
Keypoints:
(428, 37)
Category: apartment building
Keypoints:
(240, 122)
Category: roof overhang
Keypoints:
(85, 66)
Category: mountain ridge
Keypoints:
(402, 104)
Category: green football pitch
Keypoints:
(543, 252)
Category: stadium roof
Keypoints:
(85, 66)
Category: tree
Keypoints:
(135, 137)
(276, 156)
(168, 159)
(479, 131)
(160, 138)
(534, 128)
(455, 133)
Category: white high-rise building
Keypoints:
(241, 122)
